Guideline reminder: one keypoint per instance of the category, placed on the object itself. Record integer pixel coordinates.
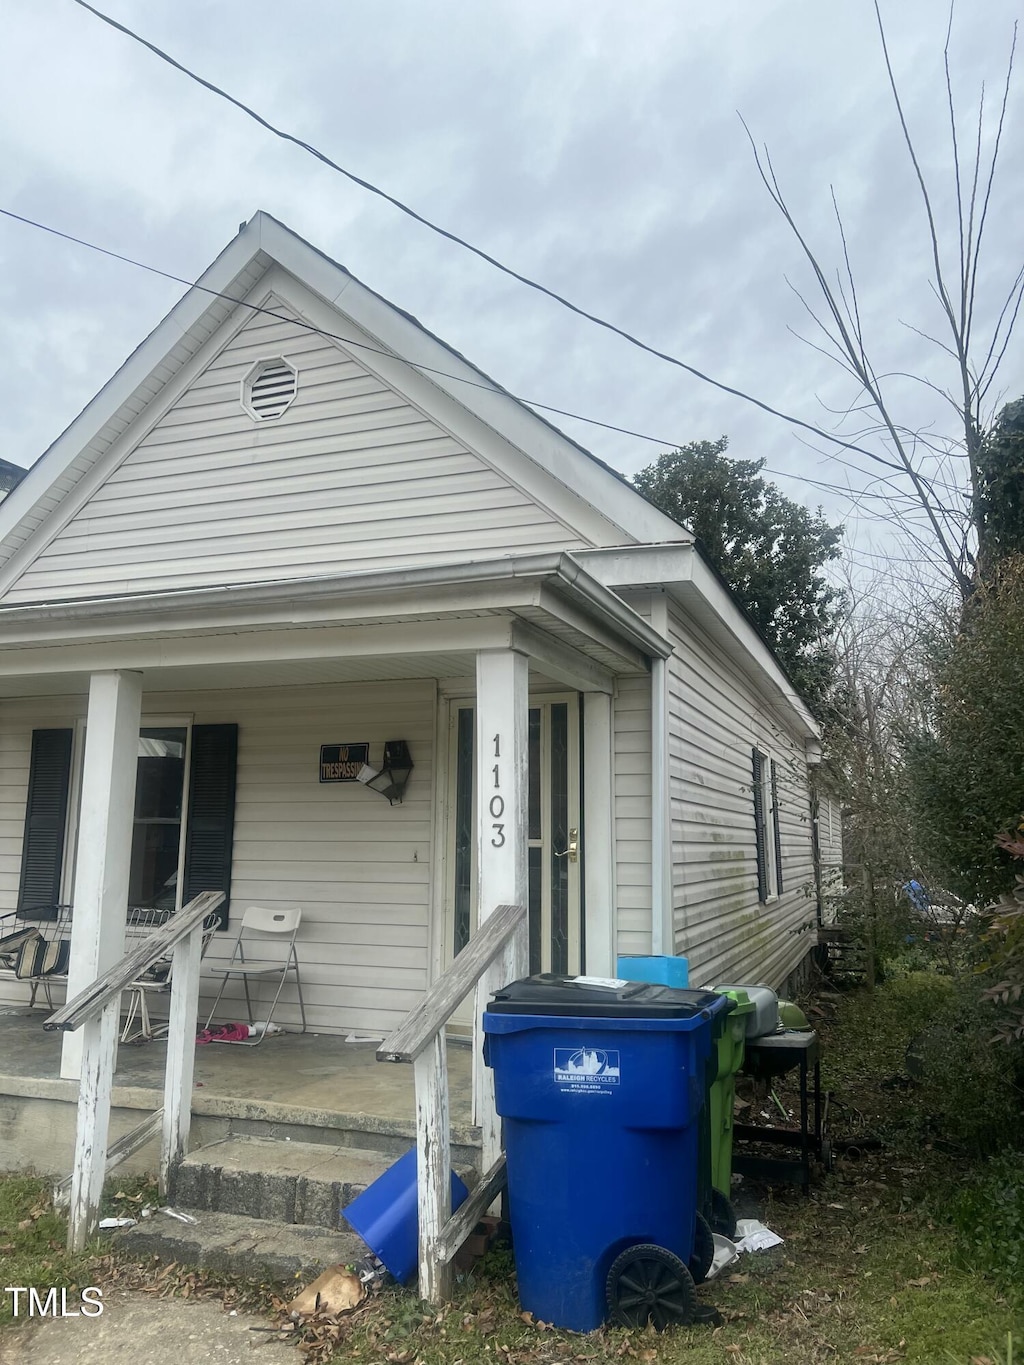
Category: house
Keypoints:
(294, 528)
(10, 477)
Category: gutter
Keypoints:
(557, 570)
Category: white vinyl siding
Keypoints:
(830, 852)
(359, 868)
(350, 477)
(631, 718)
(716, 719)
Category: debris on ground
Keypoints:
(337, 1290)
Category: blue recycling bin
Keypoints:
(600, 1084)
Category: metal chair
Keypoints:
(260, 927)
(138, 1026)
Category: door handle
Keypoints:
(572, 848)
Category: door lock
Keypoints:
(572, 848)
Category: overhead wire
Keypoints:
(483, 255)
(310, 327)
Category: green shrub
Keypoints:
(967, 1089)
(988, 1215)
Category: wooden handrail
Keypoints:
(423, 1023)
(88, 1004)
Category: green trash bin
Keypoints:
(729, 1059)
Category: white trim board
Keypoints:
(239, 270)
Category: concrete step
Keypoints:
(285, 1182)
(250, 1248)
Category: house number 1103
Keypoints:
(496, 806)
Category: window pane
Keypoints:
(463, 828)
(156, 836)
(533, 746)
(559, 837)
(534, 911)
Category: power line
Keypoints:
(478, 251)
(331, 336)
(310, 327)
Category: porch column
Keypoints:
(502, 756)
(598, 836)
(104, 846)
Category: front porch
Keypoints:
(176, 738)
(306, 1088)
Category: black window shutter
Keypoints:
(42, 853)
(211, 813)
(757, 760)
(778, 835)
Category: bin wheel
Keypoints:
(648, 1284)
(703, 1250)
(828, 1160)
(723, 1215)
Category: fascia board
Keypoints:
(376, 640)
(587, 480)
(236, 257)
(690, 582)
(548, 582)
(122, 446)
(582, 473)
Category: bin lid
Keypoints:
(741, 1001)
(602, 997)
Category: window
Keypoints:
(157, 834)
(767, 834)
(183, 825)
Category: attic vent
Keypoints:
(269, 389)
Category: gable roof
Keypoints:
(260, 245)
(10, 475)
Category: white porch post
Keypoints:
(502, 719)
(103, 860)
(599, 835)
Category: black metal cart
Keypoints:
(776, 1054)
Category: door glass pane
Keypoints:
(463, 828)
(559, 837)
(156, 833)
(534, 913)
(533, 748)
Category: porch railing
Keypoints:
(420, 1039)
(95, 1011)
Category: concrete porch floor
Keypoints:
(309, 1087)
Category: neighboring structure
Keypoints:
(10, 476)
(295, 527)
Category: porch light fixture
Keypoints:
(393, 776)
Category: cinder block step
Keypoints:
(250, 1248)
(284, 1182)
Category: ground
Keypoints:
(871, 1269)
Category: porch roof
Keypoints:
(416, 622)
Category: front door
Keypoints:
(554, 834)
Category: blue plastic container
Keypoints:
(600, 1088)
(661, 971)
(386, 1216)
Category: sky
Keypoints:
(595, 147)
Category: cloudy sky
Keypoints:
(595, 147)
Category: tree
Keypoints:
(999, 492)
(927, 477)
(768, 549)
(967, 767)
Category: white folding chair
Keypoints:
(258, 930)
